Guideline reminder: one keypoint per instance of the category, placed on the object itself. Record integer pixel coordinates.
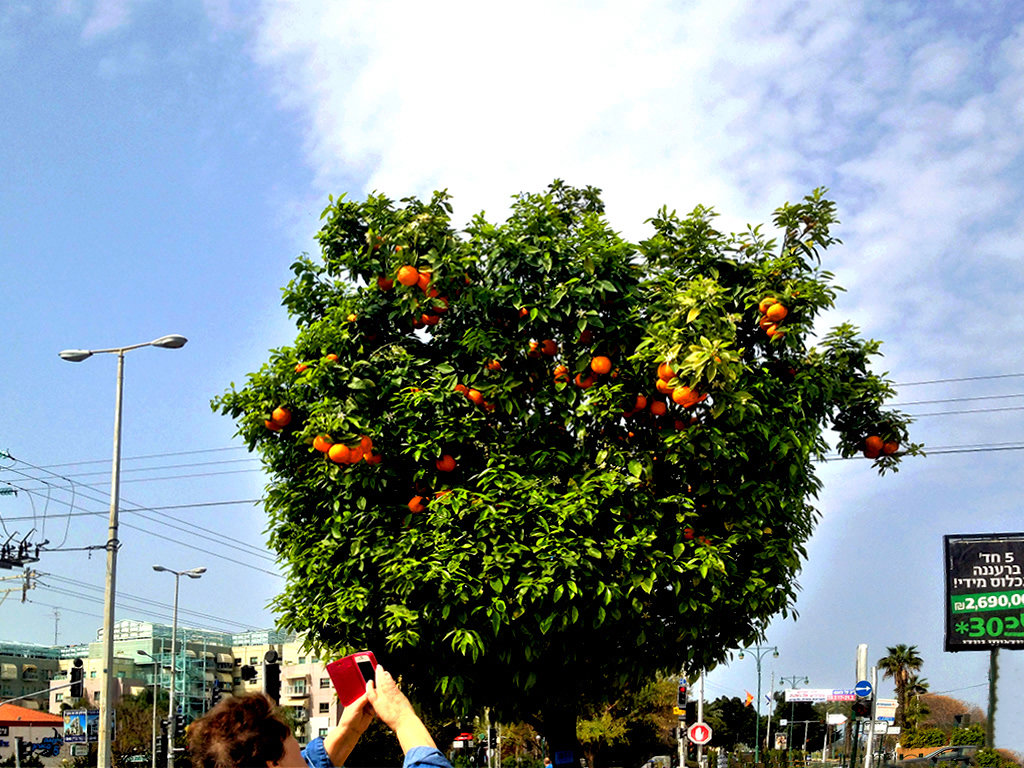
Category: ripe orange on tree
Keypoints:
(300, 367)
(494, 365)
(338, 453)
(549, 348)
(322, 443)
(331, 357)
(423, 280)
(416, 504)
(873, 445)
(776, 313)
(385, 283)
(889, 447)
(281, 416)
(446, 463)
(658, 407)
(429, 319)
(665, 372)
(272, 425)
(476, 396)
(584, 382)
(641, 403)
(461, 388)
(408, 275)
(664, 387)
(600, 364)
(373, 458)
(561, 373)
(766, 302)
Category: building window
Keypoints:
(254, 660)
(92, 673)
(323, 732)
(302, 659)
(238, 662)
(325, 682)
(59, 697)
(237, 681)
(314, 660)
(120, 674)
(325, 707)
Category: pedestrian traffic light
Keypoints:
(77, 673)
(681, 697)
(862, 707)
(179, 727)
(161, 747)
(272, 675)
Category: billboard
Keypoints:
(81, 725)
(984, 591)
(820, 694)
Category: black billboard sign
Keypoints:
(984, 591)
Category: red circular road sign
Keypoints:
(699, 733)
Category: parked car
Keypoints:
(965, 754)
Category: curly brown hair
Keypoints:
(240, 732)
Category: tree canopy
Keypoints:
(530, 463)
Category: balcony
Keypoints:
(296, 691)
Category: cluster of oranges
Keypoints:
(340, 453)
(300, 367)
(475, 396)
(772, 315)
(875, 446)
(682, 396)
(279, 419)
(408, 275)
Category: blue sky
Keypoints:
(163, 163)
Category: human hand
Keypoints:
(357, 716)
(388, 701)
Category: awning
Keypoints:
(209, 677)
(225, 658)
(209, 655)
(190, 653)
(8, 672)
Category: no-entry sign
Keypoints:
(699, 733)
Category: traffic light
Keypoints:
(272, 675)
(681, 697)
(77, 673)
(216, 694)
(23, 748)
(962, 720)
(179, 727)
(248, 673)
(862, 707)
(161, 745)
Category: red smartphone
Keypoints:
(351, 674)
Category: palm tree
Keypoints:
(899, 664)
(917, 709)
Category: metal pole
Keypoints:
(869, 751)
(104, 756)
(993, 676)
(700, 716)
(757, 724)
(156, 682)
(174, 662)
(768, 724)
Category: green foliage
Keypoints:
(576, 526)
(972, 734)
(925, 737)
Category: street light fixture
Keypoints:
(156, 683)
(793, 680)
(192, 573)
(759, 653)
(104, 756)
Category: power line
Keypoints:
(961, 378)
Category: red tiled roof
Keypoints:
(12, 714)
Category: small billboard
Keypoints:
(984, 591)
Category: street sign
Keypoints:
(681, 711)
(817, 695)
(885, 709)
(862, 689)
(984, 591)
(699, 733)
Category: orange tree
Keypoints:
(530, 464)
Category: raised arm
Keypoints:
(395, 711)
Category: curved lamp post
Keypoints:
(192, 573)
(759, 653)
(104, 756)
(793, 680)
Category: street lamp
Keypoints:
(793, 680)
(759, 653)
(107, 685)
(192, 573)
(156, 683)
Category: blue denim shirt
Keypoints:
(418, 757)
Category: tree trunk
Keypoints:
(560, 734)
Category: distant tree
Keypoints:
(633, 727)
(134, 733)
(941, 711)
(529, 462)
(917, 707)
(732, 722)
(900, 662)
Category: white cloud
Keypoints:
(107, 16)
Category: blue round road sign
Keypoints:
(862, 689)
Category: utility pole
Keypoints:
(56, 624)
